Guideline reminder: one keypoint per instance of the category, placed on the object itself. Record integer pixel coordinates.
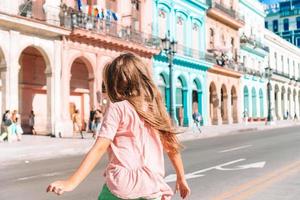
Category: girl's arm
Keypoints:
(86, 166)
(181, 183)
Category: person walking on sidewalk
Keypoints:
(197, 120)
(6, 132)
(77, 124)
(135, 130)
(96, 123)
(31, 122)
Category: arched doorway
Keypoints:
(181, 101)
(295, 103)
(254, 109)
(81, 89)
(234, 100)
(197, 96)
(163, 87)
(3, 69)
(261, 103)
(276, 98)
(33, 89)
(213, 104)
(224, 111)
(246, 102)
(289, 100)
(283, 102)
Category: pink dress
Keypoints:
(136, 162)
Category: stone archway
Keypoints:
(246, 102)
(224, 104)
(283, 102)
(276, 99)
(181, 101)
(254, 103)
(197, 96)
(81, 89)
(289, 100)
(3, 68)
(294, 103)
(213, 104)
(164, 89)
(234, 109)
(261, 103)
(34, 90)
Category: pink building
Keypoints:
(52, 61)
(223, 79)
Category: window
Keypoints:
(288, 63)
(298, 22)
(232, 47)
(282, 63)
(266, 25)
(275, 25)
(286, 24)
(275, 60)
(211, 38)
(162, 23)
(298, 42)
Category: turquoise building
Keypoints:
(254, 56)
(185, 21)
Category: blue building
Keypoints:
(185, 21)
(283, 18)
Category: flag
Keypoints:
(79, 4)
(114, 15)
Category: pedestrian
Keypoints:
(135, 130)
(77, 124)
(6, 133)
(31, 122)
(17, 130)
(197, 120)
(96, 124)
(91, 118)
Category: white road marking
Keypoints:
(196, 174)
(236, 148)
(38, 176)
(199, 173)
(248, 166)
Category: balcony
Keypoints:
(225, 14)
(252, 43)
(282, 74)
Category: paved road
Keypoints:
(263, 165)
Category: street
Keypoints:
(257, 165)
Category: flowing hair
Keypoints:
(128, 78)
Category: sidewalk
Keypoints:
(43, 147)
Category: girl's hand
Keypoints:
(183, 188)
(59, 187)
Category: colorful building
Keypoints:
(53, 53)
(253, 55)
(283, 18)
(284, 59)
(185, 21)
(223, 24)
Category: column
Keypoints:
(185, 106)
(50, 111)
(279, 106)
(52, 9)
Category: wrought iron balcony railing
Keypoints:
(280, 73)
(254, 42)
(229, 11)
(194, 53)
(78, 20)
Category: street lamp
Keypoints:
(269, 73)
(170, 48)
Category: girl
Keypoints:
(136, 129)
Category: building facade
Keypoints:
(283, 18)
(284, 59)
(185, 23)
(253, 55)
(222, 40)
(53, 53)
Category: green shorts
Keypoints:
(107, 195)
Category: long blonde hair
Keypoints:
(128, 78)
